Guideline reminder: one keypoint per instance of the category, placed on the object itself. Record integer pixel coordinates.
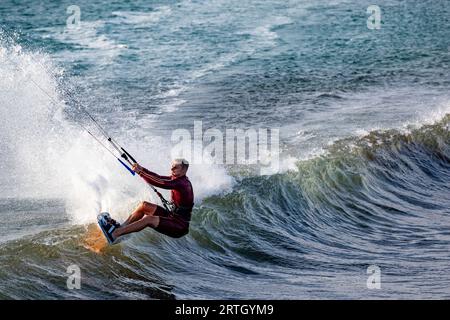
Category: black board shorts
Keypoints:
(171, 225)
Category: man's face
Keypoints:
(177, 170)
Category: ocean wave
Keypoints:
(381, 198)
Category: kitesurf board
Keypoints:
(103, 219)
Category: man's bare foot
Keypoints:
(115, 234)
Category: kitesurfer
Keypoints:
(173, 220)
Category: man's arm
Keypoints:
(156, 175)
(152, 178)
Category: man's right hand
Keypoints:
(137, 168)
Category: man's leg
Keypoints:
(147, 221)
(145, 208)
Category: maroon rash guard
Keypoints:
(173, 225)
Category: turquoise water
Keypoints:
(363, 120)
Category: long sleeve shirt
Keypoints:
(182, 193)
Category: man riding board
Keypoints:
(173, 222)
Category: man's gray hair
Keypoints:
(181, 161)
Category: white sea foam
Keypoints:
(143, 18)
(87, 36)
(265, 33)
